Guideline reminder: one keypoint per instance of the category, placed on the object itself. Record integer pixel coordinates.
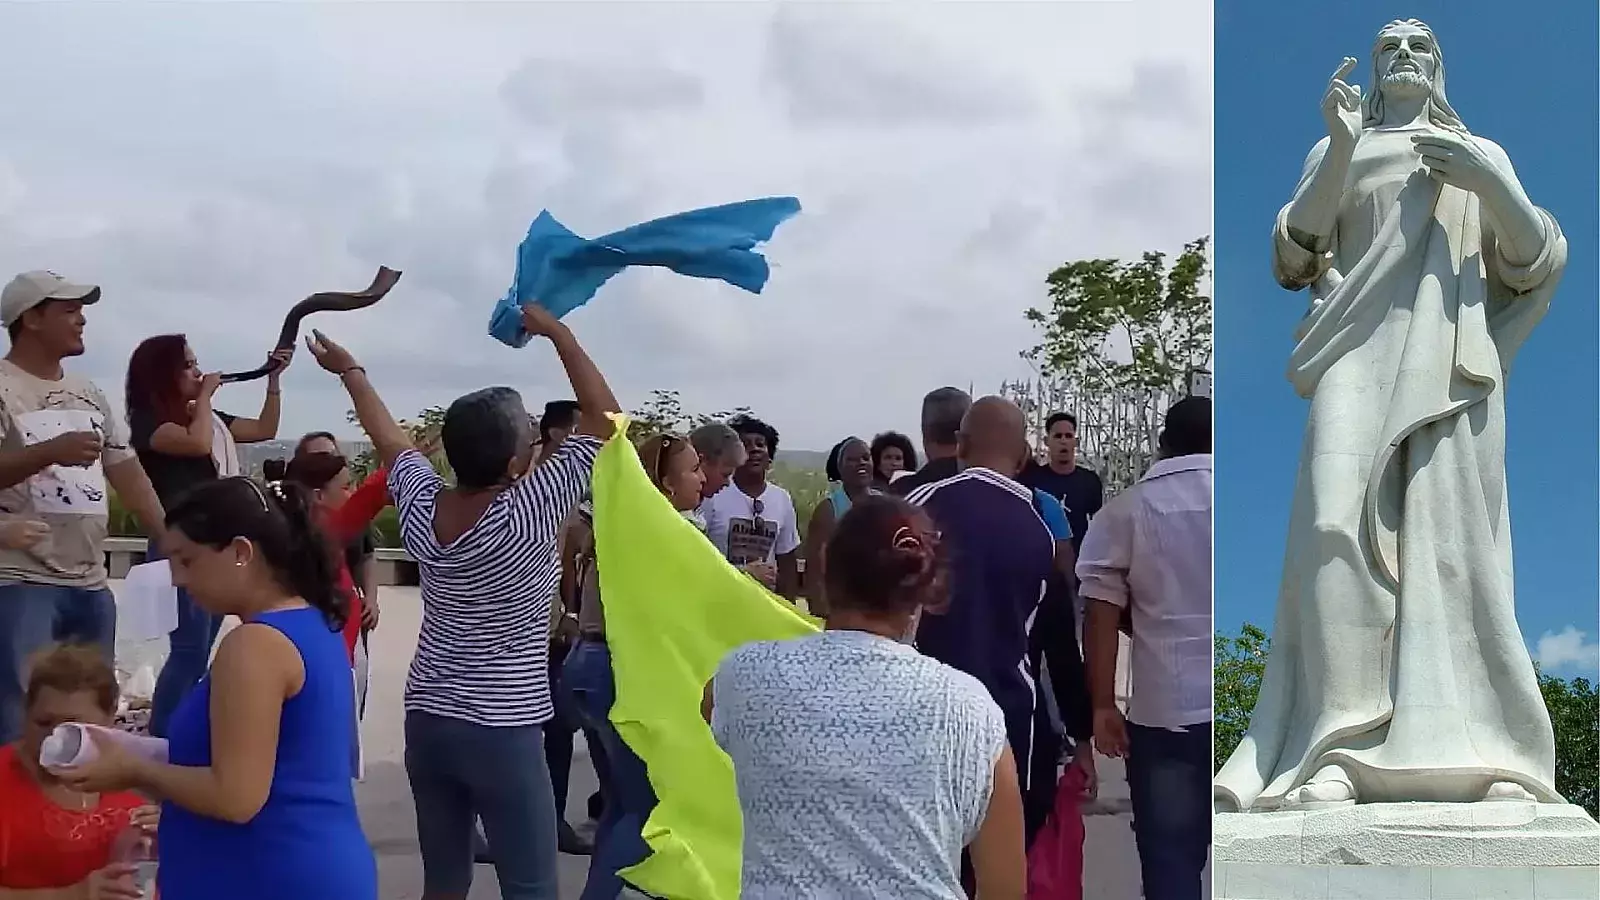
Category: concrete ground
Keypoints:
(1111, 863)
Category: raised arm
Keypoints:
(355, 515)
(264, 427)
(388, 438)
(1312, 214)
(589, 387)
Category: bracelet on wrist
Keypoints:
(352, 370)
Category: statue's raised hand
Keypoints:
(1341, 106)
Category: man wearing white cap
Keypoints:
(60, 444)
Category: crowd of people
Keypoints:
(912, 747)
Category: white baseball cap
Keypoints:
(30, 289)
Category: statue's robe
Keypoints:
(1396, 652)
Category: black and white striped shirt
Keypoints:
(483, 649)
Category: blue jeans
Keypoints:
(32, 618)
(625, 785)
(188, 656)
(1169, 784)
(460, 772)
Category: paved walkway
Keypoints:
(385, 798)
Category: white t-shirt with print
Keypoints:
(746, 535)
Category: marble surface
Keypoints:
(1399, 835)
(1246, 881)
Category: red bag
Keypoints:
(1055, 861)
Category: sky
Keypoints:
(211, 164)
(1535, 95)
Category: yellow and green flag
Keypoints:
(674, 607)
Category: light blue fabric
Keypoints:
(1053, 514)
(560, 270)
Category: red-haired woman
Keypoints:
(182, 442)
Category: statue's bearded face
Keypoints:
(1407, 60)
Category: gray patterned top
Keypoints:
(863, 767)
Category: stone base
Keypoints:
(1409, 851)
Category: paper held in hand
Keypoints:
(147, 603)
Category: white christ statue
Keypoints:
(1398, 672)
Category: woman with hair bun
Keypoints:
(256, 796)
(863, 767)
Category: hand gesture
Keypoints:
(537, 321)
(279, 360)
(73, 448)
(1110, 732)
(115, 882)
(1457, 160)
(112, 769)
(330, 356)
(22, 534)
(209, 384)
(146, 818)
(1341, 105)
(764, 572)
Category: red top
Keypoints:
(43, 845)
(343, 526)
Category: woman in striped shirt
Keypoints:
(478, 693)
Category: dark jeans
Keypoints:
(1169, 783)
(32, 618)
(561, 730)
(460, 772)
(618, 842)
(188, 655)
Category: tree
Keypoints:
(1240, 660)
(423, 429)
(664, 412)
(1576, 716)
(1118, 343)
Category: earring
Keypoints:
(239, 563)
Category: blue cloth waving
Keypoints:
(561, 271)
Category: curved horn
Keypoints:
(326, 301)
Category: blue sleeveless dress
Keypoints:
(307, 842)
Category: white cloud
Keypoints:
(209, 165)
(1569, 650)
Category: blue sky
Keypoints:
(1523, 77)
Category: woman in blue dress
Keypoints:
(256, 796)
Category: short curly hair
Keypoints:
(898, 441)
(746, 424)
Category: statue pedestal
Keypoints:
(1409, 851)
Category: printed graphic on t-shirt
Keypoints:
(65, 490)
(751, 540)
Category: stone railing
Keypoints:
(395, 566)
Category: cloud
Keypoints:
(1570, 650)
(546, 91)
(947, 161)
(836, 68)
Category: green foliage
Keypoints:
(1239, 662)
(664, 413)
(1161, 313)
(1576, 716)
(806, 486)
(1241, 659)
(424, 431)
